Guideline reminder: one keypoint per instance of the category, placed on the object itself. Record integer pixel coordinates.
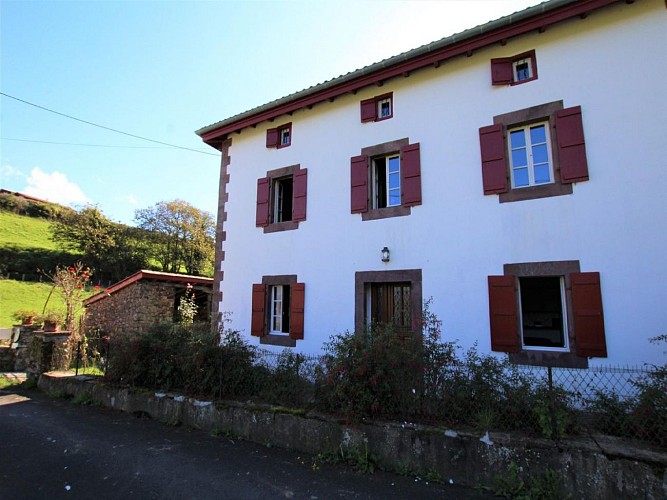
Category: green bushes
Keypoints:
(384, 374)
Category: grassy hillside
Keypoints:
(16, 295)
(21, 231)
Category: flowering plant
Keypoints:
(187, 307)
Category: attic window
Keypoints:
(514, 70)
(378, 108)
(279, 137)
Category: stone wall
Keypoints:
(591, 468)
(133, 308)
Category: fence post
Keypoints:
(552, 404)
(78, 357)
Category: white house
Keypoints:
(515, 173)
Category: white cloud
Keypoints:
(9, 171)
(132, 200)
(54, 187)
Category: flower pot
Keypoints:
(28, 321)
(50, 326)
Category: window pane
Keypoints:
(521, 177)
(538, 134)
(394, 164)
(542, 174)
(517, 139)
(394, 198)
(540, 154)
(519, 158)
(394, 180)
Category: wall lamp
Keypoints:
(385, 254)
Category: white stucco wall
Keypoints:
(613, 64)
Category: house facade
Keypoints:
(512, 174)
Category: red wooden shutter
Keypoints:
(411, 177)
(501, 71)
(299, 195)
(359, 180)
(272, 138)
(503, 314)
(297, 302)
(263, 196)
(494, 165)
(588, 318)
(258, 300)
(571, 145)
(368, 110)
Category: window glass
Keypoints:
(522, 69)
(394, 182)
(542, 313)
(530, 156)
(282, 200)
(285, 136)
(384, 108)
(280, 295)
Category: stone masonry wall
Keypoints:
(133, 308)
(591, 468)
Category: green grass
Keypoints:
(22, 231)
(16, 295)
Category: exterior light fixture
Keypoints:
(385, 254)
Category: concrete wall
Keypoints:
(611, 64)
(596, 467)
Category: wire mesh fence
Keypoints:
(473, 392)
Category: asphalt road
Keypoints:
(53, 448)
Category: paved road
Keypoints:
(52, 448)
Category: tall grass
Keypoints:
(25, 232)
(16, 295)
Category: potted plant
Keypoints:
(52, 320)
(25, 316)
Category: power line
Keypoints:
(79, 144)
(106, 128)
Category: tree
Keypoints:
(114, 250)
(182, 236)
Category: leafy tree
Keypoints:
(182, 236)
(114, 250)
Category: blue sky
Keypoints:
(164, 69)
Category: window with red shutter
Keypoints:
(385, 180)
(378, 108)
(282, 199)
(279, 137)
(588, 317)
(552, 318)
(278, 310)
(503, 315)
(532, 153)
(514, 70)
(411, 181)
(571, 145)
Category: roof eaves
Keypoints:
(354, 80)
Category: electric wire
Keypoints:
(105, 127)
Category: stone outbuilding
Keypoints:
(144, 299)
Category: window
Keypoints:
(547, 313)
(386, 180)
(389, 297)
(530, 155)
(514, 70)
(534, 153)
(278, 310)
(378, 108)
(279, 137)
(282, 199)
